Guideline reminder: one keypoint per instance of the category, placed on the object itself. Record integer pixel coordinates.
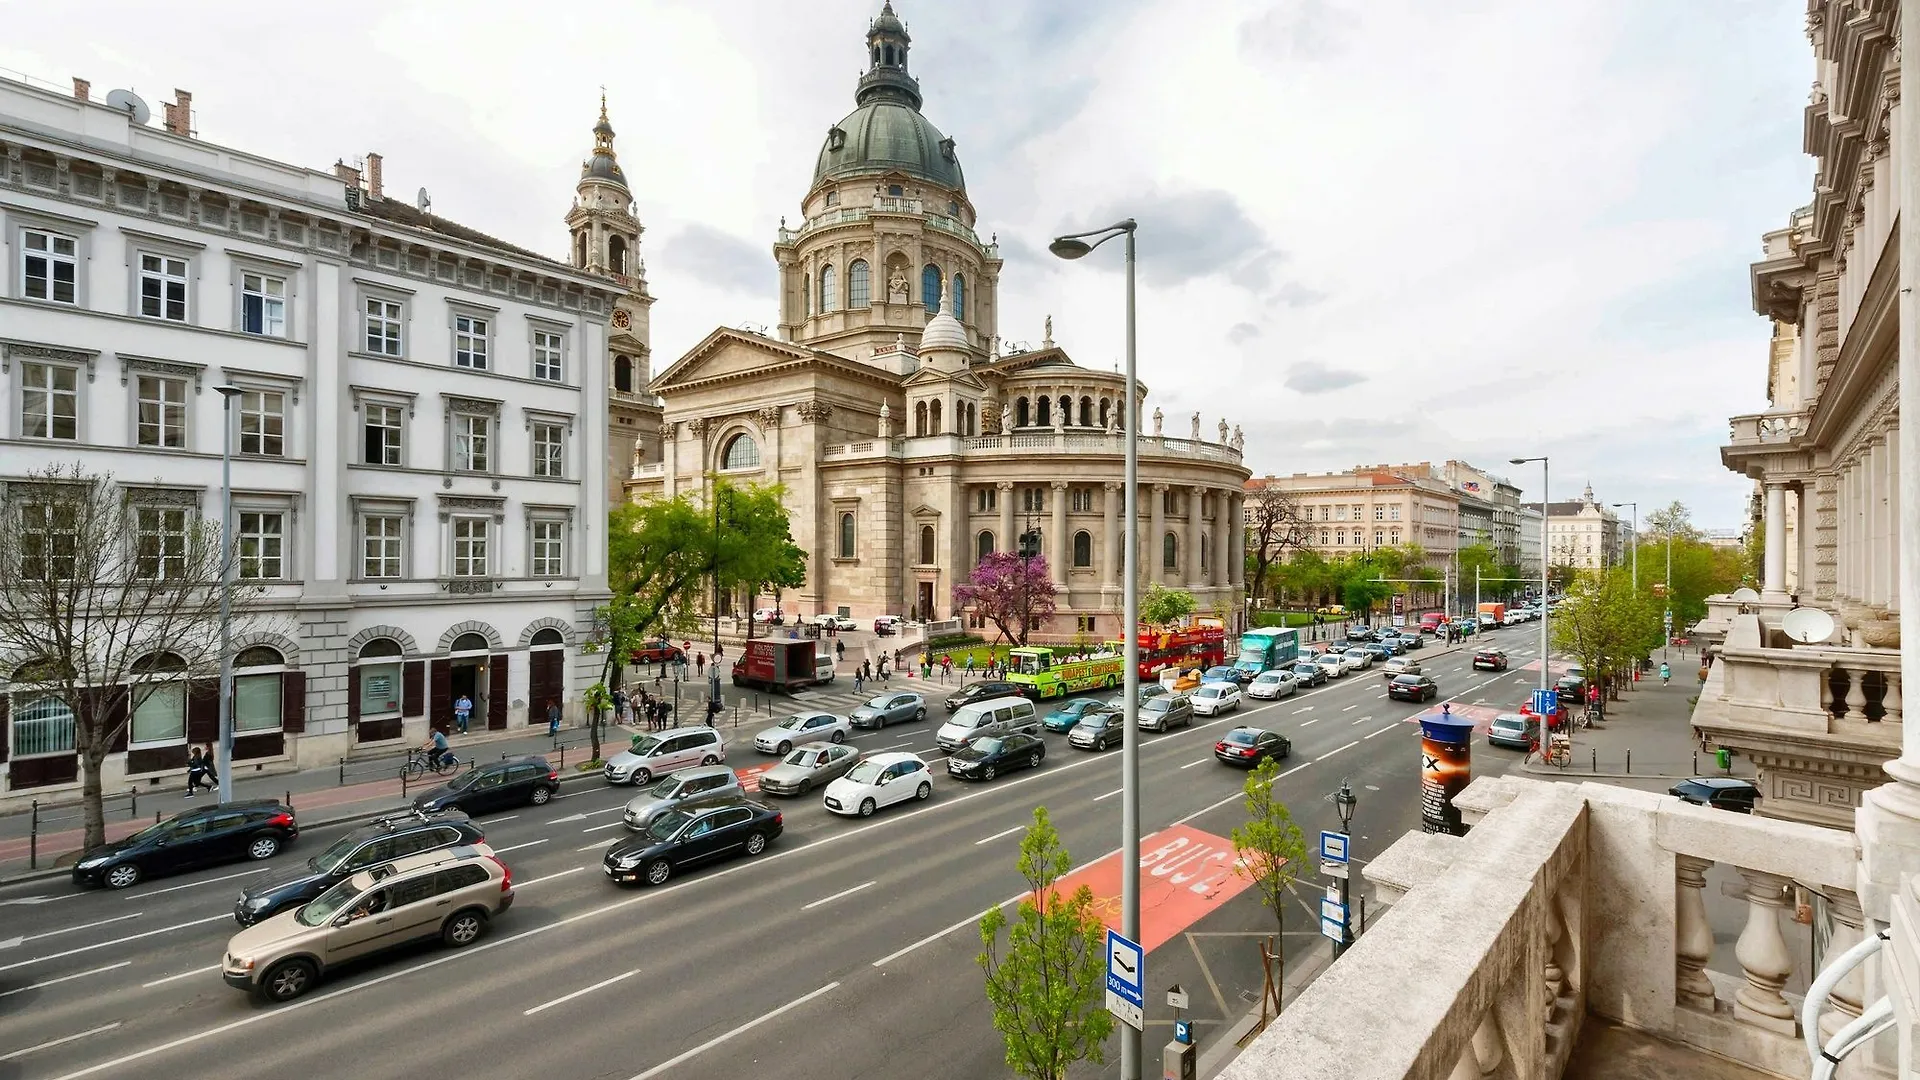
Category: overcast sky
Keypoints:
(1370, 230)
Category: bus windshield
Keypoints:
(1029, 663)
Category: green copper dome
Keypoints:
(886, 133)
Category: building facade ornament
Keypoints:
(814, 412)
(1159, 420)
(697, 427)
(769, 417)
(472, 406)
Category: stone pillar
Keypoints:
(1060, 549)
(1222, 539)
(1005, 541)
(1110, 536)
(1155, 557)
(1237, 557)
(1774, 586)
(1893, 518)
(1192, 558)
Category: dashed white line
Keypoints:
(1361, 720)
(1330, 753)
(1310, 723)
(549, 877)
(182, 975)
(517, 847)
(836, 896)
(56, 1042)
(1371, 734)
(1191, 764)
(82, 926)
(968, 921)
(998, 835)
(197, 884)
(564, 998)
(498, 820)
(63, 978)
(115, 941)
(1351, 707)
(608, 825)
(1109, 794)
(741, 1030)
(1298, 711)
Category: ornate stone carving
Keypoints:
(769, 417)
(814, 412)
(130, 364)
(1195, 436)
(188, 498)
(1238, 441)
(449, 504)
(1006, 416)
(697, 427)
(472, 406)
(1223, 431)
(46, 352)
(1159, 420)
(471, 586)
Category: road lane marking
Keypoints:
(564, 998)
(1389, 727)
(517, 847)
(569, 795)
(741, 1030)
(836, 896)
(115, 941)
(498, 820)
(82, 926)
(56, 1042)
(998, 835)
(549, 877)
(1330, 753)
(608, 825)
(1379, 695)
(1310, 723)
(1351, 707)
(1308, 708)
(197, 884)
(64, 978)
(585, 814)
(184, 974)
(1109, 794)
(968, 921)
(1191, 764)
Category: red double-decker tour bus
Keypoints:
(1184, 647)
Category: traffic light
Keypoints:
(1029, 544)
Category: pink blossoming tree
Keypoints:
(1014, 594)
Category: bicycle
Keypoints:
(419, 760)
(1559, 753)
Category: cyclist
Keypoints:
(1665, 673)
(438, 752)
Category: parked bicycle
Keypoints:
(1559, 751)
(420, 759)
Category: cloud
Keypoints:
(1241, 333)
(1193, 233)
(1295, 31)
(1295, 295)
(1313, 377)
(717, 258)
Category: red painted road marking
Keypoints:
(1481, 715)
(750, 775)
(1185, 874)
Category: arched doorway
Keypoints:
(470, 676)
(379, 687)
(546, 673)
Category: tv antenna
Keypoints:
(1807, 625)
(129, 102)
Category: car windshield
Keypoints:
(667, 824)
(864, 773)
(799, 757)
(987, 746)
(1239, 737)
(1158, 705)
(1211, 691)
(1509, 721)
(641, 744)
(1268, 677)
(328, 904)
(329, 860)
(877, 703)
(1099, 719)
(465, 780)
(664, 789)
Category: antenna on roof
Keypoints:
(421, 200)
(129, 102)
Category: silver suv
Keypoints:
(683, 790)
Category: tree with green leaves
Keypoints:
(754, 547)
(1046, 984)
(597, 701)
(1361, 593)
(1675, 519)
(1165, 607)
(1479, 562)
(1605, 624)
(1271, 849)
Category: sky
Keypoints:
(1370, 230)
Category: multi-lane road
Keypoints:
(845, 951)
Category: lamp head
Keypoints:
(1068, 247)
(228, 392)
(1519, 460)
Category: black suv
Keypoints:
(368, 846)
(984, 691)
(252, 829)
(493, 786)
(1720, 792)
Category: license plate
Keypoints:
(835, 803)
(607, 869)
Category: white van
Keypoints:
(996, 716)
(823, 667)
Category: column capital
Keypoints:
(1112, 485)
(1004, 485)
(1161, 489)
(1059, 484)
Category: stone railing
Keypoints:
(1561, 902)
(650, 470)
(638, 397)
(891, 204)
(1099, 442)
(1767, 427)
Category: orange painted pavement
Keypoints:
(1185, 874)
(750, 775)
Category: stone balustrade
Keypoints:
(1027, 440)
(1566, 901)
(1766, 427)
(651, 470)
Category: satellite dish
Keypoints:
(1807, 625)
(1743, 595)
(422, 201)
(129, 102)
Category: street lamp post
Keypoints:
(1344, 801)
(1073, 247)
(223, 759)
(1636, 543)
(1545, 514)
(713, 701)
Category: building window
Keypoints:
(1396, 537)
(1081, 499)
(472, 438)
(49, 266)
(382, 434)
(469, 547)
(42, 727)
(930, 287)
(806, 295)
(384, 319)
(926, 545)
(1326, 512)
(159, 715)
(380, 546)
(256, 694)
(1325, 538)
(160, 542)
(1033, 500)
(846, 535)
(262, 543)
(163, 412)
(987, 499)
(1393, 513)
(893, 190)
(982, 545)
(829, 291)
(163, 287)
(1085, 624)
(1169, 552)
(49, 542)
(741, 453)
(859, 287)
(1379, 537)
(959, 296)
(263, 423)
(49, 402)
(1020, 413)
(833, 198)
(1358, 511)
(1045, 419)
(1083, 548)
(470, 342)
(380, 677)
(1379, 513)
(623, 374)
(1106, 410)
(548, 545)
(548, 348)
(263, 305)
(1340, 537)
(549, 450)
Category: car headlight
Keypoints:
(94, 861)
(259, 903)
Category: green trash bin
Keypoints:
(1724, 757)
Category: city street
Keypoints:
(847, 950)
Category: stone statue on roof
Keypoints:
(1223, 431)
(1196, 426)
(1158, 417)
(1006, 417)
(1239, 441)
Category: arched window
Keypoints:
(616, 255)
(546, 636)
(42, 726)
(933, 418)
(982, 545)
(1066, 410)
(806, 294)
(1020, 412)
(973, 419)
(470, 642)
(259, 656)
(1083, 548)
(846, 535)
(960, 296)
(930, 287)
(380, 647)
(1045, 419)
(1106, 410)
(378, 670)
(580, 249)
(829, 292)
(926, 545)
(833, 198)
(622, 373)
(160, 709)
(1086, 412)
(919, 419)
(1170, 552)
(889, 54)
(741, 453)
(859, 289)
(256, 693)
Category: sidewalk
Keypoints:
(1647, 735)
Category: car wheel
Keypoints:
(463, 929)
(921, 715)
(839, 736)
(756, 843)
(924, 790)
(866, 807)
(263, 847)
(785, 746)
(988, 773)
(287, 980)
(640, 777)
(1033, 760)
(709, 760)
(1100, 744)
(123, 876)
(542, 796)
(658, 871)
(805, 786)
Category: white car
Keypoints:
(1336, 664)
(1270, 685)
(768, 616)
(881, 780)
(803, 728)
(1357, 659)
(1214, 698)
(835, 622)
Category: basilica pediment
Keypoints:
(927, 375)
(727, 352)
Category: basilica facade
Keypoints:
(908, 443)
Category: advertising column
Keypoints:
(1446, 753)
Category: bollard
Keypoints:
(133, 803)
(289, 800)
(1696, 763)
(1629, 760)
(563, 757)
(343, 770)
(33, 838)
(1593, 759)
(736, 714)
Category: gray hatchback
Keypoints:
(880, 711)
(698, 786)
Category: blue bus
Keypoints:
(1267, 648)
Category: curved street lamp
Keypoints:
(1546, 666)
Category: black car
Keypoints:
(985, 758)
(1309, 674)
(1413, 688)
(207, 836)
(1248, 746)
(381, 841)
(493, 786)
(1360, 633)
(1489, 660)
(679, 839)
(1338, 645)
(984, 691)
(1720, 792)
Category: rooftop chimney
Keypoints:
(177, 115)
(373, 175)
(347, 173)
(81, 88)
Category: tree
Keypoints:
(1276, 527)
(597, 701)
(755, 545)
(1046, 988)
(1016, 595)
(1165, 607)
(1362, 593)
(1675, 519)
(1270, 847)
(1605, 624)
(110, 596)
(660, 555)
(1482, 561)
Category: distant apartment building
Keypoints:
(1363, 509)
(1582, 534)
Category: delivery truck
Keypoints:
(780, 664)
(1493, 616)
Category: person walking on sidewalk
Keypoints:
(620, 706)
(553, 715)
(197, 770)
(857, 680)
(839, 650)
(1665, 674)
(462, 712)
(700, 664)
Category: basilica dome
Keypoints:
(886, 132)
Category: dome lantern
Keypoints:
(886, 132)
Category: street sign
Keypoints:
(1183, 1031)
(1333, 846)
(1332, 909)
(1126, 980)
(1176, 997)
(1333, 930)
(1544, 702)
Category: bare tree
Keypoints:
(109, 594)
(1275, 526)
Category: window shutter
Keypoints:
(497, 693)
(353, 697)
(440, 675)
(413, 688)
(203, 711)
(293, 701)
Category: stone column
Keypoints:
(1192, 557)
(1222, 538)
(1774, 586)
(1893, 518)
(1237, 556)
(1060, 549)
(1005, 541)
(1155, 556)
(1110, 546)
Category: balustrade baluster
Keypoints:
(1486, 1046)
(1764, 959)
(1856, 695)
(1891, 703)
(1693, 937)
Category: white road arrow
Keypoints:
(9, 943)
(569, 817)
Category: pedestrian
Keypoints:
(207, 760)
(856, 680)
(839, 649)
(553, 714)
(700, 664)
(898, 656)
(196, 771)
(969, 665)
(620, 706)
(462, 712)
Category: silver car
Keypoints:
(682, 790)
(807, 767)
(802, 728)
(889, 708)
